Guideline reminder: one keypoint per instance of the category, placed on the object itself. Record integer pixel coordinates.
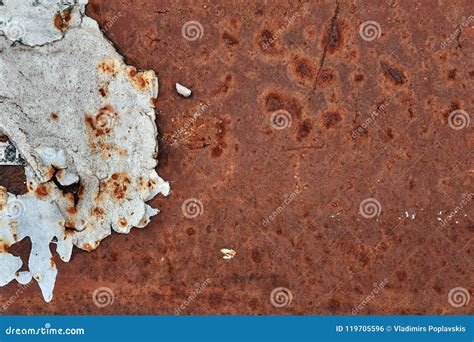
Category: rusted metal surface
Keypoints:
(298, 116)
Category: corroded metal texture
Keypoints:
(327, 144)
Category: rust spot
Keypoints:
(452, 74)
(42, 191)
(216, 152)
(302, 69)
(304, 129)
(88, 247)
(123, 222)
(72, 210)
(3, 138)
(229, 39)
(108, 67)
(141, 80)
(116, 186)
(327, 76)
(392, 73)
(101, 124)
(331, 119)
(62, 19)
(274, 101)
(358, 78)
(266, 39)
(224, 86)
(54, 116)
(51, 262)
(98, 212)
(333, 37)
(103, 91)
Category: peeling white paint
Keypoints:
(79, 116)
(182, 90)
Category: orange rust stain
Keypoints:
(4, 247)
(103, 91)
(123, 222)
(71, 211)
(3, 197)
(87, 247)
(42, 191)
(98, 212)
(54, 116)
(141, 80)
(51, 171)
(51, 262)
(101, 124)
(62, 19)
(108, 67)
(116, 186)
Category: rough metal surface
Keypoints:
(300, 117)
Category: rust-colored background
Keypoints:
(318, 246)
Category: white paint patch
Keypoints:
(78, 115)
(182, 90)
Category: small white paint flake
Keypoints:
(228, 253)
(182, 90)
